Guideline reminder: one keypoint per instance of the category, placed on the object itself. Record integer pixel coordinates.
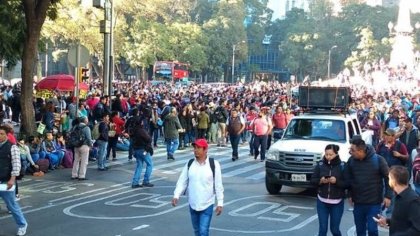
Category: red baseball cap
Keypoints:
(201, 143)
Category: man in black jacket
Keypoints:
(405, 219)
(142, 147)
(366, 174)
(129, 128)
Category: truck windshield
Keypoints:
(316, 129)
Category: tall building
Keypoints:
(302, 4)
(390, 3)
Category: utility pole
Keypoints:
(329, 61)
(105, 28)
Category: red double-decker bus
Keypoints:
(170, 70)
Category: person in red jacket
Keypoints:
(11, 134)
(279, 123)
(116, 128)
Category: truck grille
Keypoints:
(300, 160)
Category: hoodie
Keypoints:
(367, 178)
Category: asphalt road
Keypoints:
(106, 205)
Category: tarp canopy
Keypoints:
(61, 83)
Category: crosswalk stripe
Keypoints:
(242, 170)
(257, 176)
(221, 154)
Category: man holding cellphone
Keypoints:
(405, 219)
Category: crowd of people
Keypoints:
(139, 116)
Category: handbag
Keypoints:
(111, 133)
(41, 128)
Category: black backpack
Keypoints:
(77, 137)
(219, 113)
(213, 118)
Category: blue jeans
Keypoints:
(154, 132)
(171, 145)
(9, 198)
(260, 141)
(234, 142)
(251, 144)
(332, 211)
(363, 214)
(244, 135)
(189, 137)
(201, 220)
(102, 146)
(140, 158)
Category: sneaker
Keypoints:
(114, 159)
(136, 186)
(22, 230)
(17, 197)
(148, 185)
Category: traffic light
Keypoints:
(84, 74)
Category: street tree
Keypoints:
(369, 50)
(12, 26)
(224, 31)
(35, 14)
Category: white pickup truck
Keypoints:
(291, 160)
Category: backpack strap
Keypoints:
(212, 166)
(190, 163)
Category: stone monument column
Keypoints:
(402, 49)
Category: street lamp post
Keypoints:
(233, 60)
(111, 48)
(106, 28)
(329, 61)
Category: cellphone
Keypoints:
(375, 219)
(327, 177)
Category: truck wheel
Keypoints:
(272, 188)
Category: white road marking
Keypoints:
(257, 176)
(242, 170)
(141, 227)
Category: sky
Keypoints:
(276, 5)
